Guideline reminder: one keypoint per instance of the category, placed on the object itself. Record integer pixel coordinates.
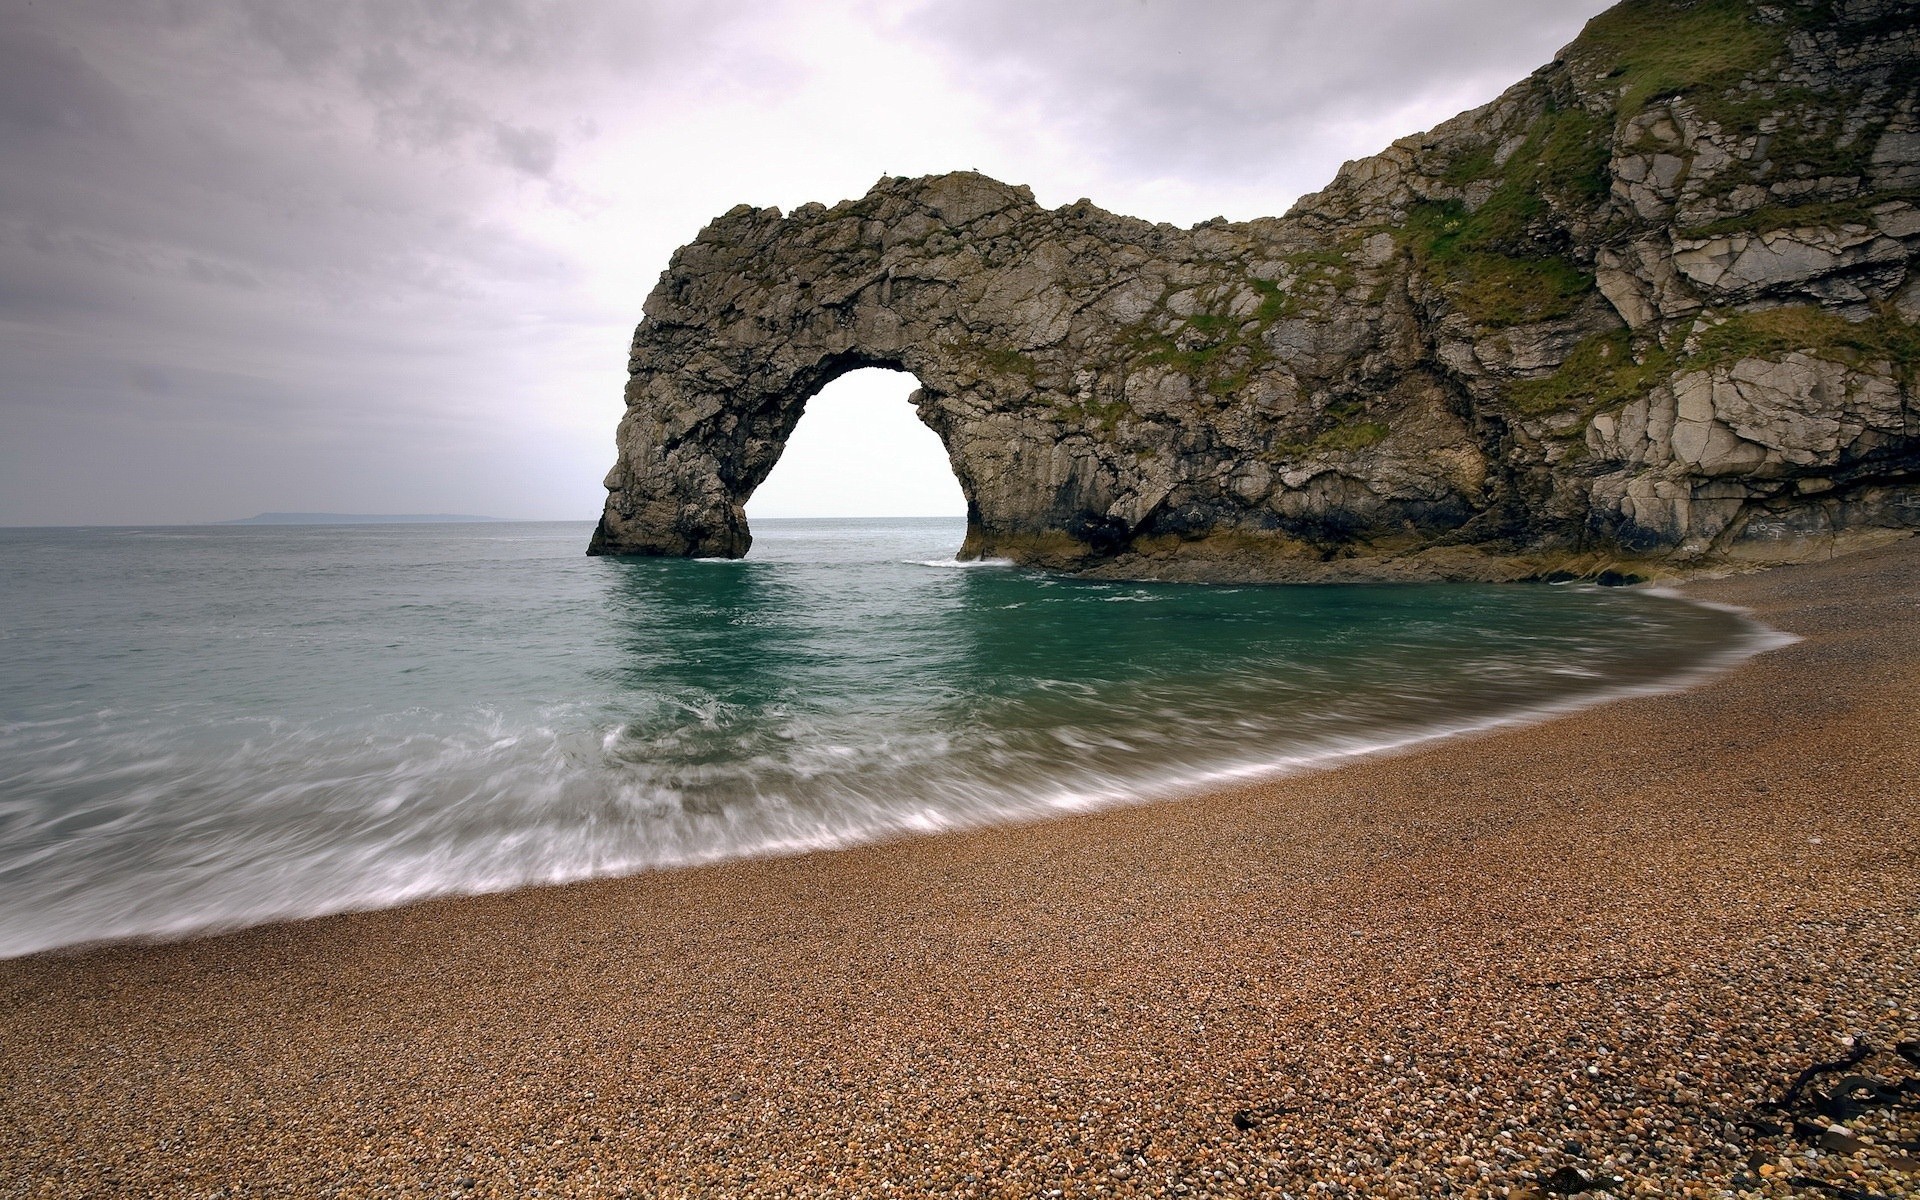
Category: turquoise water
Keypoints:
(206, 727)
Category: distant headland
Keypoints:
(327, 518)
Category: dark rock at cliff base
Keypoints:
(1653, 308)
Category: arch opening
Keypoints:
(860, 450)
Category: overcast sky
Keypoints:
(386, 255)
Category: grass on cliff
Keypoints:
(1602, 372)
(1504, 263)
(1826, 214)
(1704, 50)
(1807, 143)
(1101, 416)
(998, 360)
(1221, 369)
(1654, 48)
(1355, 436)
(1220, 351)
(1648, 49)
(1489, 264)
(1351, 430)
(1348, 437)
(1823, 334)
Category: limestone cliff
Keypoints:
(1655, 304)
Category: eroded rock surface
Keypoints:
(1612, 315)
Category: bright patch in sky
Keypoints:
(861, 451)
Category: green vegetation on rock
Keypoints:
(1328, 269)
(1357, 436)
(1565, 159)
(1352, 430)
(1603, 373)
(1600, 374)
(1714, 56)
(1831, 214)
(1656, 48)
(999, 360)
(1503, 263)
(1780, 331)
(1482, 261)
(1099, 416)
(1221, 367)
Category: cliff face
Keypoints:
(1655, 305)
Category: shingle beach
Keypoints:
(1587, 956)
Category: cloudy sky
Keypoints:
(385, 255)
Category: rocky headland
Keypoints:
(1653, 309)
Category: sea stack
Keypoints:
(1653, 308)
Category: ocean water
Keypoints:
(205, 727)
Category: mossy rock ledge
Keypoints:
(1653, 308)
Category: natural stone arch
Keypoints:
(709, 462)
(759, 313)
(1102, 385)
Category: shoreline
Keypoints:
(1175, 781)
(1366, 974)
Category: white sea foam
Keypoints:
(960, 564)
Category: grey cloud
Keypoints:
(231, 136)
(221, 274)
(150, 379)
(304, 35)
(1234, 89)
(528, 150)
(47, 88)
(266, 222)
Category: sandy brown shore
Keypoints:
(1584, 946)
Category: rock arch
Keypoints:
(1104, 387)
(700, 465)
(928, 277)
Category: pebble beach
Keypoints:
(1591, 956)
